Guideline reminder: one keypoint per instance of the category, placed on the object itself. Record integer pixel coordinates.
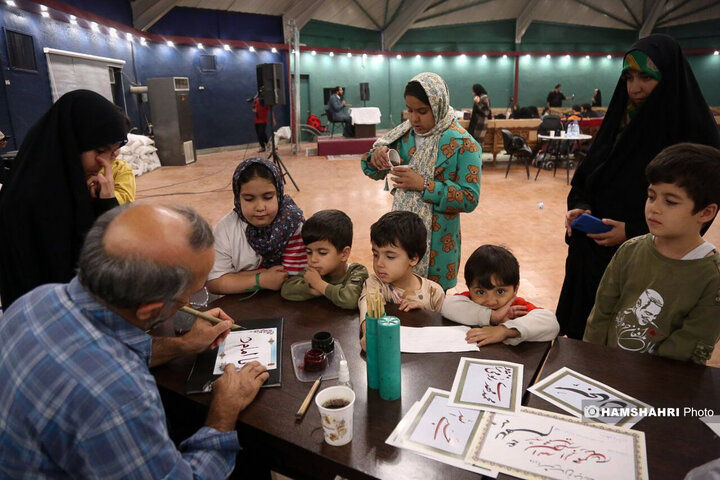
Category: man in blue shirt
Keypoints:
(335, 107)
(78, 400)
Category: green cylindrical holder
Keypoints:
(388, 348)
(371, 352)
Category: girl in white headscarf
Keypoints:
(439, 176)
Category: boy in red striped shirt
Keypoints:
(492, 274)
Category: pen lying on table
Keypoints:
(209, 318)
(306, 403)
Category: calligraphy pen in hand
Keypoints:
(209, 318)
(306, 403)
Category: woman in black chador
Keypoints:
(657, 103)
(60, 182)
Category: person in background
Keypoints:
(556, 97)
(123, 176)
(597, 98)
(657, 103)
(335, 107)
(3, 140)
(60, 182)
(588, 112)
(481, 113)
(261, 113)
(439, 175)
(78, 397)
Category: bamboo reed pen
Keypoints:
(306, 403)
(209, 318)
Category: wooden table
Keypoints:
(298, 449)
(674, 445)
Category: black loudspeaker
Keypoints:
(364, 92)
(271, 84)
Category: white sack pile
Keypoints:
(140, 153)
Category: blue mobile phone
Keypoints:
(589, 224)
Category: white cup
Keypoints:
(562, 133)
(552, 133)
(337, 423)
(394, 158)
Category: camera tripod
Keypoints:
(276, 158)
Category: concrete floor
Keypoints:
(508, 213)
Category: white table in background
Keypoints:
(365, 119)
(558, 141)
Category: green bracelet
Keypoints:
(254, 289)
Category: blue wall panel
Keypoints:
(221, 115)
(28, 94)
(198, 22)
(117, 10)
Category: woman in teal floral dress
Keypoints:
(439, 176)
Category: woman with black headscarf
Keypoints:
(657, 103)
(597, 98)
(481, 113)
(55, 190)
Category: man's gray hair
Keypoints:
(126, 281)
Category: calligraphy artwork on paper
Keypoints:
(487, 385)
(536, 444)
(436, 430)
(574, 392)
(241, 348)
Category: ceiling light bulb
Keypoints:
(252, 49)
(143, 41)
(45, 14)
(11, 3)
(547, 56)
(129, 37)
(43, 8)
(587, 56)
(609, 57)
(200, 46)
(94, 27)
(398, 56)
(716, 52)
(331, 54)
(504, 56)
(313, 53)
(170, 43)
(113, 32)
(226, 47)
(484, 56)
(73, 18)
(417, 56)
(273, 50)
(349, 54)
(364, 55)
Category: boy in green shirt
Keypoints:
(661, 292)
(328, 238)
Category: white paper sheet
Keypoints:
(713, 423)
(487, 385)
(535, 444)
(247, 346)
(435, 339)
(572, 391)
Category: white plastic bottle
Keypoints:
(344, 375)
